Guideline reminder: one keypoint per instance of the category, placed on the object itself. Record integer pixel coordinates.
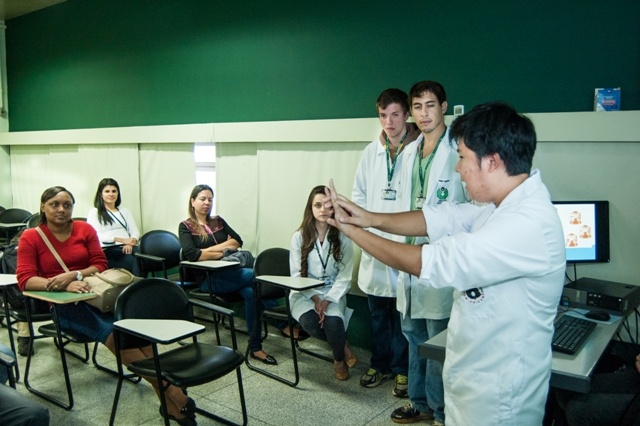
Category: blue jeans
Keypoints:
(426, 391)
(118, 259)
(238, 281)
(4, 374)
(389, 349)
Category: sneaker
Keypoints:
(23, 346)
(400, 387)
(372, 378)
(408, 414)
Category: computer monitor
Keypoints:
(586, 230)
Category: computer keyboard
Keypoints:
(570, 332)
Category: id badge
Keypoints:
(389, 194)
(419, 202)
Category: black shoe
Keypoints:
(189, 411)
(409, 414)
(23, 346)
(269, 360)
(302, 335)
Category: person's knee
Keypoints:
(37, 416)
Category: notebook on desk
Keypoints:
(570, 333)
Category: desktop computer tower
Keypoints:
(589, 293)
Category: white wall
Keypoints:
(265, 171)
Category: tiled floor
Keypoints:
(319, 399)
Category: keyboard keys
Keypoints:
(570, 332)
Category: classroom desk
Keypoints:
(163, 331)
(55, 298)
(5, 229)
(288, 284)
(59, 297)
(208, 265)
(571, 372)
(7, 280)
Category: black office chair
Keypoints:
(62, 338)
(275, 261)
(186, 366)
(158, 252)
(9, 363)
(12, 215)
(226, 299)
(33, 221)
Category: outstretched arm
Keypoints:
(349, 219)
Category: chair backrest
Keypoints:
(159, 243)
(272, 261)
(33, 221)
(151, 298)
(14, 216)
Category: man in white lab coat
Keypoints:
(379, 186)
(505, 261)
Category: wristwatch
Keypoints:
(79, 276)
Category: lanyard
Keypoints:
(323, 262)
(124, 225)
(391, 163)
(423, 173)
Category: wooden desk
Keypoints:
(571, 372)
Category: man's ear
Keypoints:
(444, 106)
(494, 161)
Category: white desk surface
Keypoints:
(567, 371)
(160, 330)
(12, 225)
(292, 283)
(209, 264)
(8, 279)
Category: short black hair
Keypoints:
(422, 87)
(497, 128)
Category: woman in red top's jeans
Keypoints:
(78, 246)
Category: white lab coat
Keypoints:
(339, 273)
(415, 298)
(371, 178)
(507, 267)
(106, 232)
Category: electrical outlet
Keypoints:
(458, 110)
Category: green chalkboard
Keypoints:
(105, 63)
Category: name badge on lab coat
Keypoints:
(389, 194)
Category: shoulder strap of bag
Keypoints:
(53, 251)
(104, 277)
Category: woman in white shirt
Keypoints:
(116, 228)
(320, 251)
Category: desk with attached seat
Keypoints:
(288, 284)
(55, 298)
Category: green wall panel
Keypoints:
(105, 63)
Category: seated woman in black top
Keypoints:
(205, 238)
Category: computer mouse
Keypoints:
(598, 315)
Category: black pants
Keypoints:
(332, 332)
(16, 409)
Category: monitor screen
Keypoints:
(586, 230)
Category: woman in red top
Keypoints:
(77, 244)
